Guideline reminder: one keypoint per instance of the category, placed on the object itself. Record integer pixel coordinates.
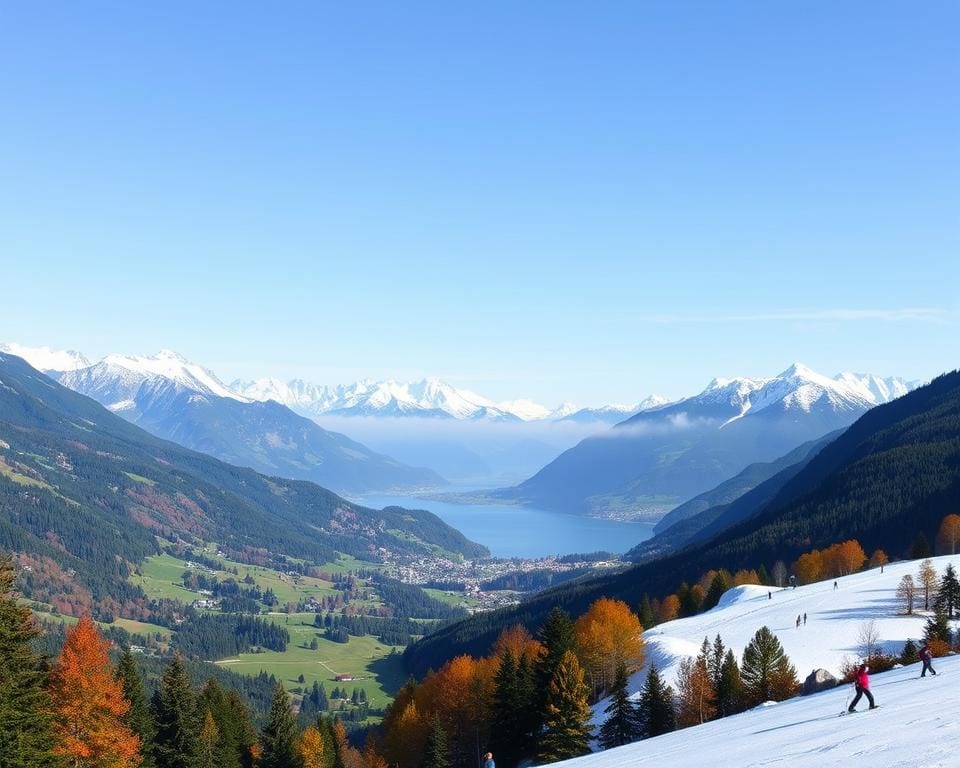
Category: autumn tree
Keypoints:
(927, 578)
(567, 719)
(907, 594)
(948, 537)
(405, 729)
(809, 567)
(26, 737)
(879, 559)
(695, 692)
(209, 741)
(766, 672)
(89, 705)
(174, 710)
(669, 609)
(608, 635)
(622, 724)
(744, 576)
(656, 705)
(311, 749)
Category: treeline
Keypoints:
(410, 601)
(531, 581)
(216, 636)
(389, 630)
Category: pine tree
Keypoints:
(567, 719)
(26, 736)
(622, 725)
(209, 741)
(909, 654)
(174, 708)
(948, 594)
(436, 753)
(718, 586)
(920, 547)
(647, 617)
(278, 741)
(766, 671)
(656, 706)
(90, 709)
(138, 717)
(764, 575)
(715, 661)
(557, 638)
(937, 628)
(729, 687)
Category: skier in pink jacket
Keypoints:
(861, 682)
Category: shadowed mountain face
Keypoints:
(180, 401)
(650, 463)
(893, 473)
(84, 494)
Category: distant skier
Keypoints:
(488, 761)
(769, 595)
(861, 682)
(798, 621)
(834, 586)
(926, 657)
(804, 619)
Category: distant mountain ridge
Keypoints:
(662, 456)
(182, 401)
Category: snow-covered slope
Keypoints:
(46, 359)
(907, 730)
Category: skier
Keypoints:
(488, 761)
(769, 595)
(834, 586)
(798, 621)
(804, 619)
(861, 682)
(926, 657)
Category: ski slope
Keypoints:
(915, 725)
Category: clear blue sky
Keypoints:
(555, 200)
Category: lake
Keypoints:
(510, 531)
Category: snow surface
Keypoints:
(46, 359)
(911, 728)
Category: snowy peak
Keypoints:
(47, 359)
(172, 366)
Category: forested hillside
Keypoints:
(894, 472)
(84, 496)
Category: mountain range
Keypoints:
(660, 457)
(891, 475)
(85, 494)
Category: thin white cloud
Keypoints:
(837, 314)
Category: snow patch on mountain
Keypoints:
(45, 358)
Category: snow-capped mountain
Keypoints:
(661, 456)
(46, 359)
(613, 414)
(118, 380)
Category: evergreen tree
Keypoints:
(235, 731)
(937, 628)
(920, 548)
(138, 717)
(656, 706)
(766, 671)
(280, 736)
(909, 654)
(515, 715)
(26, 737)
(729, 687)
(647, 617)
(174, 708)
(557, 638)
(764, 575)
(948, 594)
(622, 725)
(718, 586)
(715, 661)
(567, 718)
(209, 741)
(436, 752)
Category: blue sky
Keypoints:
(586, 201)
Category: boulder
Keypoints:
(818, 680)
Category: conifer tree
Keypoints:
(515, 715)
(26, 736)
(174, 708)
(567, 719)
(920, 547)
(89, 707)
(278, 741)
(766, 672)
(647, 617)
(764, 575)
(715, 661)
(948, 594)
(622, 725)
(209, 742)
(557, 638)
(138, 717)
(718, 586)
(909, 654)
(729, 687)
(937, 628)
(436, 753)
(656, 706)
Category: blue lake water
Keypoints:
(509, 531)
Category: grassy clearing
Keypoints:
(455, 599)
(378, 673)
(140, 479)
(16, 477)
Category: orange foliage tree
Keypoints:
(669, 609)
(89, 704)
(948, 537)
(878, 559)
(607, 635)
(809, 567)
(745, 577)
